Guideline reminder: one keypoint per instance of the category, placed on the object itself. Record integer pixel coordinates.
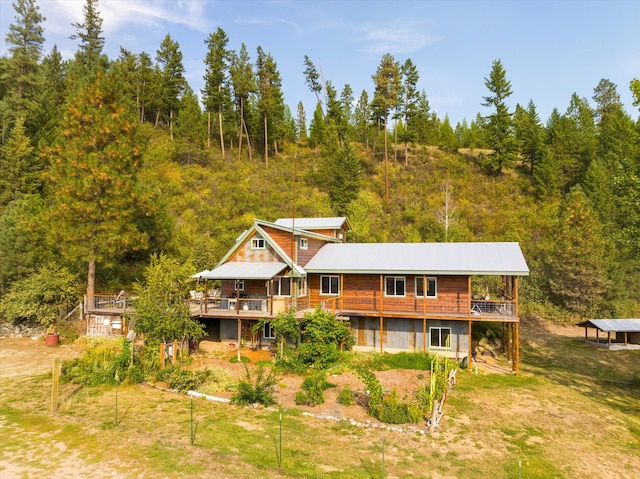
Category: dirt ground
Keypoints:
(404, 381)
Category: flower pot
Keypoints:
(52, 339)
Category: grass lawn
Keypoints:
(573, 412)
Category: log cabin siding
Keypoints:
(363, 292)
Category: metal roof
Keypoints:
(245, 270)
(611, 325)
(312, 223)
(420, 258)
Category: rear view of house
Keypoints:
(396, 296)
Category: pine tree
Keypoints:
(244, 84)
(24, 41)
(20, 165)
(172, 81)
(301, 123)
(410, 98)
(386, 97)
(578, 274)
(88, 58)
(93, 175)
(312, 79)
(499, 124)
(216, 95)
(345, 179)
(530, 134)
(270, 100)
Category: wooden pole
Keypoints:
(175, 350)
(162, 355)
(55, 381)
(517, 348)
(381, 312)
(424, 334)
(470, 344)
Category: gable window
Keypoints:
(258, 243)
(394, 286)
(268, 332)
(440, 337)
(431, 291)
(282, 286)
(304, 243)
(329, 285)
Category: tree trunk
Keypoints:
(241, 123)
(386, 163)
(208, 130)
(221, 134)
(266, 144)
(91, 277)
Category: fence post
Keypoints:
(161, 355)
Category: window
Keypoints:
(302, 286)
(394, 286)
(258, 243)
(304, 243)
(432, 291)
(329, 285)
(268, 332)
(239, 285)
(440, 337)
(282, 286)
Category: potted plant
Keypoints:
(52, 337)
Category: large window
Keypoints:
(329, 285)
(394, 286)
(258, 243)
(282, 286)
(432, 291)
(440, 337)
(268, 332)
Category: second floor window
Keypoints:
(258, 243)
(431, 291)
(304, 243)
(329, 285)
(282, 286)
(394, 286)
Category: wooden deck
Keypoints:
(264, 308)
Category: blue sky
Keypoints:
(549, 49)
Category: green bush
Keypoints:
(256, 390)
(405, 360)
(177, 377)
(99, 363)
(395, 412)
(314, 387)
(346, 397)
(243, 359)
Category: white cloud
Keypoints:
(401, 36)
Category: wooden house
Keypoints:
(396, 296)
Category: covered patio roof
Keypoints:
(613, 325)
(244, 270)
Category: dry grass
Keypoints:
(545, 424)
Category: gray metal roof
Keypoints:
(611, 325)
(420, 258)
(312, 223)
(245, 270)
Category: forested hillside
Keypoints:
(107, 161)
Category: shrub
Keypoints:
(395, 412)
(314, 387)
(259, 390)
(243, 359)
(346, 396)
(182, 379)
(99, 363)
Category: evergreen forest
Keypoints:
(107, 163)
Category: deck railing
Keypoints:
(108, 302)
(338, 305)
